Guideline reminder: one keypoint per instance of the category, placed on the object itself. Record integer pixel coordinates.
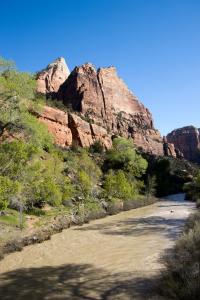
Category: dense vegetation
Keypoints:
(34, 172)
(182, 277)
(171, 174)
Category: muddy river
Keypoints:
(117, 257)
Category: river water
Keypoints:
(117, 257)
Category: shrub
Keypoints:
(124, 156)
(182, 277)
(191, 221)
(97, 147)
(8, 189)
(192, 189)
(84, 172)
(117, 185)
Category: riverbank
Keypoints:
(117, 257)
(40, 229)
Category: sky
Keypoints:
(154, 44)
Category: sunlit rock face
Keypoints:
(56, 121)
(50, 79)
(102, 107)
(105, 100)
(68, 129)
(187, 141)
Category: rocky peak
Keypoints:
(105, 105)
(50, 79)
(104, 99)
(187, 141)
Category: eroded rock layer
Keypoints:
(50, 79)
(68, 129)
(104, 99)
(105, 108)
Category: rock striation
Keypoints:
(187, 141)
(103, 107)
(50, 79)
(57, 124)
(68, 129)
(104, 99)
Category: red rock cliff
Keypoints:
(104, 99)
(105, 105)
(186, 140)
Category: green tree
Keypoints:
(124, 156)
(8, 189)
(6, 64)
(117, 185)
(84, 172)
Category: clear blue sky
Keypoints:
(155, 45)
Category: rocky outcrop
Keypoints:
(50, 79)
(187, 141)
(103, 107)
(57, 124)
(104, 99)
(70, 130)
(85, 134)
(169, 149)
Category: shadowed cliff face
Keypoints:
(186, 140)
(107, 108)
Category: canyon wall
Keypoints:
(102, 107)
(187, 141)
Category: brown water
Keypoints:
(117, 257)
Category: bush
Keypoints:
(84, 172)
(117, 185)
(192, 189)
(124, 156)
(191, 221)
(8, 189)
(97, 147)
(182, 278)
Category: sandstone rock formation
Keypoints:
(57, 124)
(70, 130)
(50, 79)
(105, 105)
(104, 99)
(187, 141)
(169, 148)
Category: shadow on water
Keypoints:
(74, 282)
(167, 227)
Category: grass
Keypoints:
(11, 218)
(48, 215)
